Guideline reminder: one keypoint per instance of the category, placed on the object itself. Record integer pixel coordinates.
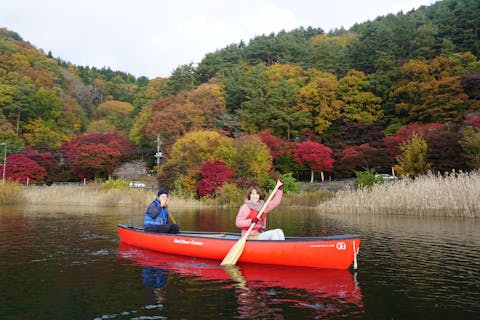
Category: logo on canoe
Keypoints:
(191, 242)
(341, 246)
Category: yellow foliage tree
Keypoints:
(114, 109)
(253, 161)
(412, 159)
(319, 99)
(39, 134)
(359, 104)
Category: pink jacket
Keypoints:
(243, 222)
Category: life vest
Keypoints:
(162, 217)
(261, 225)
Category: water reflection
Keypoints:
(261, 291)
(156, 279)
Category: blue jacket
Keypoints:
(156, 214)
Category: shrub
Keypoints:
(115, 184)
(290, 184)
(229, 193)
(366, 179)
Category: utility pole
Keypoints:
(159, 154)
(4, 160)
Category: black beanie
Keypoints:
(162, 191)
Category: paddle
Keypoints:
(237, 249)
(172, 218)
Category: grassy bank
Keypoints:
(450, 195)
(95, 195)
(88, 195)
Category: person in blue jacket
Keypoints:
(157, 218)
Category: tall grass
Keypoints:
(11, 192)
(95, 195)
(454, 194)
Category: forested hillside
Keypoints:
(400, 91)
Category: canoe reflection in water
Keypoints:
(261, 290)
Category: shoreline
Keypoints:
(453, 194)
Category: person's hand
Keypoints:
(280, 184)
(256, 220)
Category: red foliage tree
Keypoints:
(45, 160)
(282, 151)
(404, 133)
(473, 119)
(94, 155)
(214, 175)
(361, 157)
(23, 169)
(314, 156)
(444, 151)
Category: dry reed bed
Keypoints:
(455, 194)
(92, 195)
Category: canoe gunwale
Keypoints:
(231, 236)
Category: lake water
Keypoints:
(67, 263)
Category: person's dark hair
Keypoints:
(259, 191)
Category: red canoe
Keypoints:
(333, 252)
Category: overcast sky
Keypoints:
(153, 37)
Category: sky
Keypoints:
(153, 37)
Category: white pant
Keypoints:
(275, 234)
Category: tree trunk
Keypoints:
(311, 175)
(323, 177)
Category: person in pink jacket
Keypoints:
(247, 214)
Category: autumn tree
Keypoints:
(252, 162)
(46, 160)
(473, 119)
(116, 113)
(189, 153)
(170, 117)
(100, 126)
(318, 99)
(282, 151)
(470, 143)
(359, 104)
(43, 135)
(213, 175)
(8, 135)
(209, 99)
(96, 155)
(392, 142)
(23, 169)
(314, 156)
(444, 150)
(360, 157)
(430, 92)
(412, 159)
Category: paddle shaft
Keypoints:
(237, 249)
(171, 217)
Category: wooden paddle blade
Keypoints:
(235, 252)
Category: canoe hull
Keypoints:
(335, 252)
